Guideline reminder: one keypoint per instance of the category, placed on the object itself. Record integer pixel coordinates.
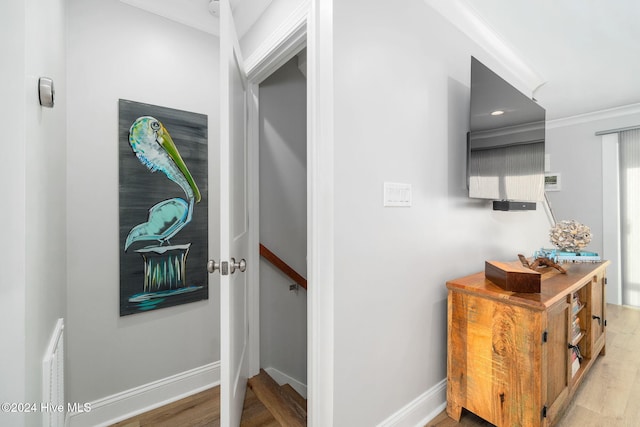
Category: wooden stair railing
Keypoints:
(282, 266)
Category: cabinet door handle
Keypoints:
(593, 316)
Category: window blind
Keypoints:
(629, 158)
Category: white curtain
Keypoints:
(629, 154)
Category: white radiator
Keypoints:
(53, 405)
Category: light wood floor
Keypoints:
(202, 410)
(199, 410)
(609, 395)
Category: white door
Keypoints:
(234, 223)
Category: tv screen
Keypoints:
(506, 140)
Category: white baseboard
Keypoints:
(129, 403)
(421, 410)
(282, 378)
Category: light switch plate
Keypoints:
(397, 194)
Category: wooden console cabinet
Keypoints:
(510, 357)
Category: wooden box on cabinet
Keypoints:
(512, 276)
(509, 357)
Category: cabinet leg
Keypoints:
(604, 350)
(454, 411)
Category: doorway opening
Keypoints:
(280, 312)
(283, 222)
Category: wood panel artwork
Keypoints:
(163, 204)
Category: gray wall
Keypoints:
(33, 254)
(117, 51)
(589, 181)
(13, 251)
(283, 220)
(401, 101)
(576, 152)
(46, 137)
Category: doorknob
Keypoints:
(226, 267)
(240, 265)
(212, 266)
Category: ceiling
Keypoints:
(586, 54)
(195, 13)
(575, 56)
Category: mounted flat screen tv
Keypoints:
(505, 147)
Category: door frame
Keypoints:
(283, 45)
(310, 25)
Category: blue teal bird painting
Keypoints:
(154, 147)
(163, 216)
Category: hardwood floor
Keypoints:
(203, 410)
(199, 410)
(609, 395)
(255, 414)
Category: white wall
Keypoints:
(401, 114)
(34, 278)
(117, 51)
(13, 192)
(283, 220)
(46, 183)
(576, 152)
(589, 181)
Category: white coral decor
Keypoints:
(570, 236)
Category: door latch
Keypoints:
(226, 267)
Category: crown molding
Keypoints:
(462, 16)
(285, 41)
(609, 113)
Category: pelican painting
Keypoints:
(154, 147)
(163, 220)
